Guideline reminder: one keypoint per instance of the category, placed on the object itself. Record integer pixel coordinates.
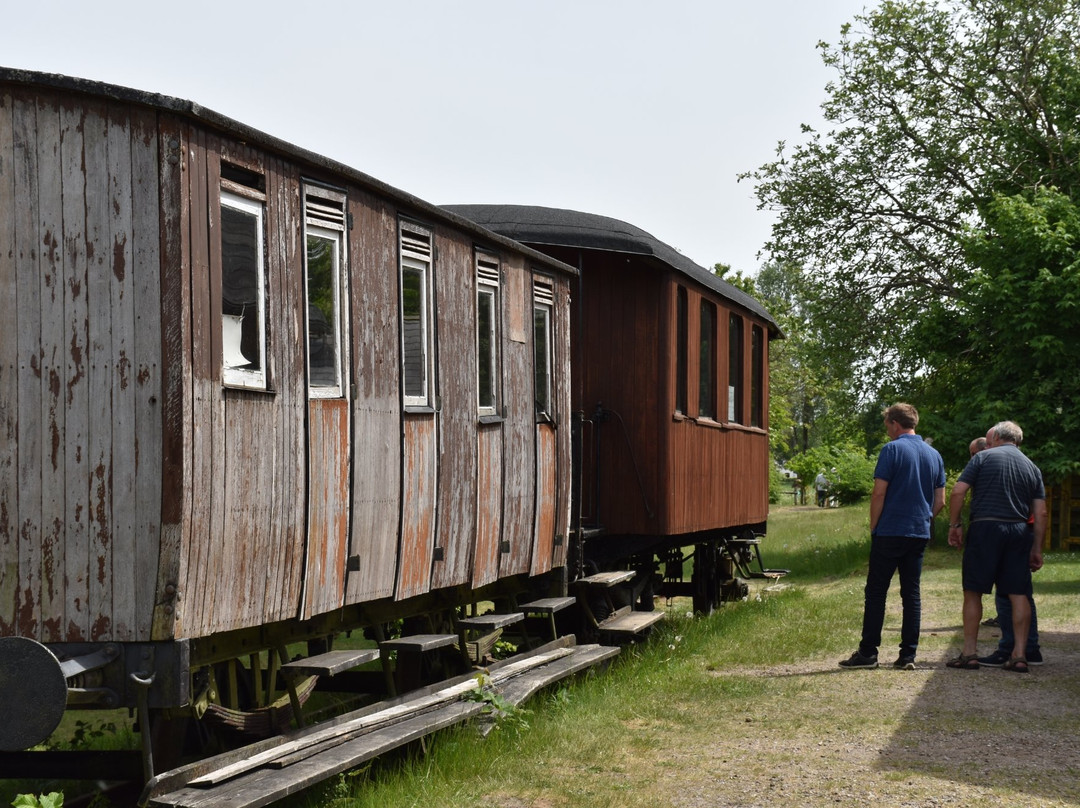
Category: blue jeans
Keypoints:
(888, 555)
(1005, 623)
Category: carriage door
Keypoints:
(327, 401)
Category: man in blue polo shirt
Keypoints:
(909, 490)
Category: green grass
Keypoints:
(627, 737)
(677, 713)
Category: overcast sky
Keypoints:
(643, 111)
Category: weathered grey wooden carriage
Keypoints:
(249, 396)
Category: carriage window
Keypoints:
(487, 334)
(735, 369)
(757, 370)
(243, 293)
(542, 307)
(415, 313)
(681, 341)
(707, 362)
(325, 226)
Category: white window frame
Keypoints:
(416, 256)
(544, 305)
(487, 286)
(324, 217)
(236, 376)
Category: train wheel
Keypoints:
(706, 578)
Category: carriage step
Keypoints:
(547, 606)
(489, 622)
(606, 579)
(419, 643)
(330, 663)
(630, 624)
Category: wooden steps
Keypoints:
(629, 624)
(619, 623)
(411, 650)
(546, 608)
(330, 663)
(261, 774)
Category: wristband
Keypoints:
(956, 524)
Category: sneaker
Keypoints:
(992, 622)
(857, 660)
(905, 663)
(995, 660)
(1034, 657)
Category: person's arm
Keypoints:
(956, 507)
(939, 501)
(1038, 510)
(877, 501)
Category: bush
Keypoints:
(850, 471)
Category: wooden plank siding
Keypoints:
(328, 508)
(562, 363)
(377, 418)
(544, 527)
(455, 321)
(419, 477)
(695, 473)
(249, 447)
(623, 348)
(519, 428)
(144, 499)
(81, 382)
(716, 469)
(489, 500)
(10, 523)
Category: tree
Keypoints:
(953, 124)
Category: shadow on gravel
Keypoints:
(995, 728)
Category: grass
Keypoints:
(675, 717)
(748, 707)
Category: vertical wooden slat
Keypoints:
(328, 514)
(176, 404)
(296, 482)
(101, 368)
(519, 429)
(9, 375)
(146, 303)
(418, 508)
(76, 375)
(544, 529)
(205, 395)
(52, 370)
(563, 312)
(124, 470)
(29, 438)
(489, 500)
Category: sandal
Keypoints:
(967, 662)
(1016, 665)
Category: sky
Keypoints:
(643, 110)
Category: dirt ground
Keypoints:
(928, 737)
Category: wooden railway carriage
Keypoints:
(248, 396)
(671, 376)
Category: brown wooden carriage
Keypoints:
(670, 375)
(250, 396)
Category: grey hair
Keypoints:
(1008, 432)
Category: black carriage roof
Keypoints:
(570, 228)
(254, 136)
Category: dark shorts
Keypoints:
(998, 553)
